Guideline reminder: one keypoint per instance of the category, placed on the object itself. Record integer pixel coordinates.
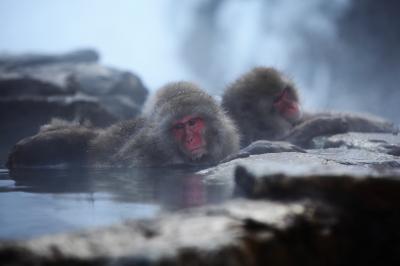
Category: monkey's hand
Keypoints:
(303, 133)
(264, 146)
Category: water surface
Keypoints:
(38, 202)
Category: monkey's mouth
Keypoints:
(292, 109)
(198, 152)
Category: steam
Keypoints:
(225, 38)
(311, 41)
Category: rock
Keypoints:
(383, 143)
(120, 92)
(12, 62)
(336, 161)
(350, 153)
(72, 86)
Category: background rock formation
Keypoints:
(74, 86)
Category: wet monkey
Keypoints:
(265, 105)
(180, 125)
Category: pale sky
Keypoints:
(130, 35)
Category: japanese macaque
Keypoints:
(184, 126)
(265, 106)
(180, 125)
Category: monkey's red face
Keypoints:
(189, 133)
(287, 105)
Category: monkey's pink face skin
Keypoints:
(189, 131)
(287, 106)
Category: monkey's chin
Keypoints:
(293, 117)
(197, 154)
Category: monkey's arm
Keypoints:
(264, 146)
(336, 123)
(303, 133)
(51, 147)
(108, 141)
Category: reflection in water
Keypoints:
(37, 202)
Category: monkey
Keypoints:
(180, 125)
(185, 126)
(265, 105)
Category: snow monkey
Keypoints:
(180, 125)
(265, 106)
(185, 126)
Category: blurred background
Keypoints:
(343, 54)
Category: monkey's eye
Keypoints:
(178, 126)
(280, 96)
(193, 121)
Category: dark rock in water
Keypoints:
(304, 219)
(72, 86)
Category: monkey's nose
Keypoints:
(189, 139)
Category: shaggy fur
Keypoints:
(155, 144)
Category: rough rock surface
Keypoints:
(336, 206)
(384, 143)
(345, 221)
(73, 86)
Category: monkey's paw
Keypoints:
(264, 146)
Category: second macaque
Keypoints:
(265, 105)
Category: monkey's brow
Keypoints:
(282, 94)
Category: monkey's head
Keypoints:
(193, 126)
(189, 134)
(263, 102)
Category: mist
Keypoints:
(342, 54)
